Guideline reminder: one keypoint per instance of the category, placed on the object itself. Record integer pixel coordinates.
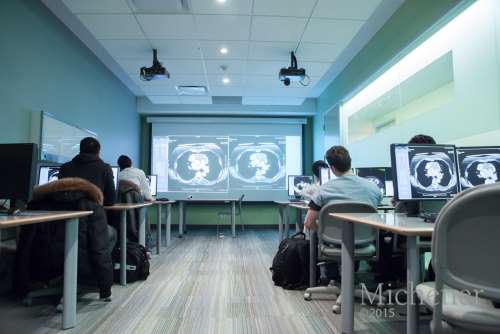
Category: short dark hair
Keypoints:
(422, 139)
(338, 157)
(316, 167)
(90, 145)
(124, 162)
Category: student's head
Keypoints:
(317, 166)
(90, 145)
(124, 162)
(339, 160)
(422, 139)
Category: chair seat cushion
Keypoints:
(460, 309)
(363, 251)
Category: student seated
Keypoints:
(134, 175)
(313, 188)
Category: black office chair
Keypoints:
(239, 205)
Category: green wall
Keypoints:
(406, 25)
(45, 67)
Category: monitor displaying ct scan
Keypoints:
(478, 165)
(424, 172)
(47, 174)
(153, 183)
(115, 175)
(326, 175)
(297, 183)
(376, 175)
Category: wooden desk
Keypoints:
(123, 207)
(182, 211)
(70, 251)
(412, 228)
(159, 204)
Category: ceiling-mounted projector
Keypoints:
(293, 73)
(155, 72)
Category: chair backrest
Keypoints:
(466, 242)
(330, 229)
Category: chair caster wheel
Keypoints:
(307, 296)
(336, 309)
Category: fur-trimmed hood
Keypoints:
(126, 185)
(91, 191)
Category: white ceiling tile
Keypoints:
(235, 80)
(127, 48)
(315, 69)
(272, 91)
(164, 99)
(158, 90)
(166, 26)
(346, 9)
(226, 91)
(318, 52)
(173, 66)
(195, 99)
(176, 49)
(271, 50)
(239, 7)
(280, 29)
(112, 26)
(263, 100)
(236, 49)
(298, 8)
(98, 6)
(223, 27)
(338, 32)
(188, 80)
(233, 66)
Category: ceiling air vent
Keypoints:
(226, 99)
(160, 6)
(191, 90)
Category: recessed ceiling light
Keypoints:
(221, 1)
(226, 80)
(223, 50)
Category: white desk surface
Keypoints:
(161, 202)
(34, 217)
(397, 223)
(222, 200)
(127, 206)
(299, 205)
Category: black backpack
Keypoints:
(137, 263)
(291, 263)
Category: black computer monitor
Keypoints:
(153, 183)
(296, 183)
(47, 173)
(18, 172)
(424, 172)
(478, 165)
(380, 176)
(326, 175)
(115, 175)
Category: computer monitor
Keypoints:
(326, 175)
(47, 174)
(153, 183)
(115, 175)
(424, 172)
(380, 176)
(18, 172)
(478, 165)
(296, 183)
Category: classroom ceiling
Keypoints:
(258, 36)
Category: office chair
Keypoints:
(330, 246)
(465, 259)
(239, 205)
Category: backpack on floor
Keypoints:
(137, 263)
(291, 263)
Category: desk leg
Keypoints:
(123, 248)
(347, 284)
(181, 218)
(280, 222)
(70, 273)
(158, 229)
(413, 278)
(298, 220)
(313, 255)
(233, 218)
(142, 226)
(285, 221)
(169, 222)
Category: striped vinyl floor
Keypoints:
(201, 284)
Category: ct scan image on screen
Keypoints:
(257, 162)
(48, 174)
(374, 175)
(478, 165)
(198, 163)
(425, 171)
(297, 183)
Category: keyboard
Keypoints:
(428, 217)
